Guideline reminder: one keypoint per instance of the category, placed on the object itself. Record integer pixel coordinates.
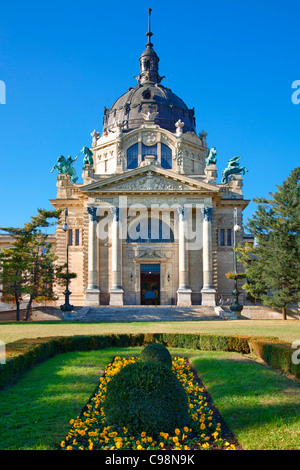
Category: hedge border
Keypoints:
(24, 354)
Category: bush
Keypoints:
(156, 352)
(25, 353)
(146, 397)
(276, 354)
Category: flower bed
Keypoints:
(89, 431)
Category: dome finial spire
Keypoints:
(149, 34)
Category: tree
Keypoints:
(28, 268)
(273, 265)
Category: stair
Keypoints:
(136, 313)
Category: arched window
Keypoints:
(151, 230)
(149, 150)
(166, 157)
(132, 157)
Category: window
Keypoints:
(132, 157)
(149, 150)
(222, 237)
(151, 230)
(166, 157)
(70, 236)
(229, 237)
(150, 268)
(77, 237)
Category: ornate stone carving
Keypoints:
(149, 138)
(150, 182)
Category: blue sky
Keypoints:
(63, 61)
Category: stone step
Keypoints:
(148, 313)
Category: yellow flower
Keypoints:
(205, 446)
(202, 427)
(186, 429)
(177, 431)
(69, 448)
(143, 434)
(62, 444)
(139, 447)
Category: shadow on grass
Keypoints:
(249, 394)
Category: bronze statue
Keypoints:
(232, 168)
(211, 159)
(64, 166)
(88, 157)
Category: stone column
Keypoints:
(116, 291)
(184, 293)
(208, 292)
(92, 291)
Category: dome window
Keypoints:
(149, 150)
(166, 157)
(147, 95)
(132, 157)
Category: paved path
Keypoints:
(146, 313)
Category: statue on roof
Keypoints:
(88, 157)
(233, 167)
(64, 167)
(211, 159)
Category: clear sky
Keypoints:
(63, 61)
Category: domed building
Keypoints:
(150, 225)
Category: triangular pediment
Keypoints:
(149, 255)
(149, 178)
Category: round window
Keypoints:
(147, 95)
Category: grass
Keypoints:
(288, 330)
(35, 412)
(261, 407)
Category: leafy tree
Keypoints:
(273, 267)
(28, 267)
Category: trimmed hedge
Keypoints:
(277, 354)
(146, 397)
(23, 354)
(156, 352)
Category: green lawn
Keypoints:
(261, 407)
(288, 330)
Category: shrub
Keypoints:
(156, 352)
(146, 397)
(276, 354)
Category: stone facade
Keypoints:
(149, 167)
(109, 268)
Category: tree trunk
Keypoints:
(28, 307)
(17, 301)
(284, 312)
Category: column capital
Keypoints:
(183, 212)
(207, 213)
(115, 212)
(92, 211)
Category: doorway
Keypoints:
(150, 284)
